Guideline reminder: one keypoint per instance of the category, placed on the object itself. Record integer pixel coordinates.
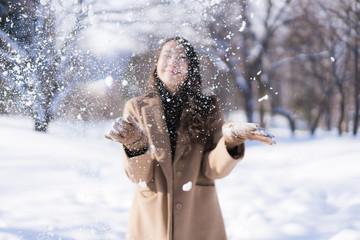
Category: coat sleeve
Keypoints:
(218, 162)
(138, 168)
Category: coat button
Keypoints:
(178, 206)
(178, 174)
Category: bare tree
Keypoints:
(49, 64)
(339, 56)
(245, 45)
(316, 69)
(29, 49)
(347, 13)
(334, 31)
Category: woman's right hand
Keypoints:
(128, 132)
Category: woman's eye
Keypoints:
(182, 58)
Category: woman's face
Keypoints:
(172, 66)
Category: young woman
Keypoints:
(175, 145)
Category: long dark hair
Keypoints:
(197, 106)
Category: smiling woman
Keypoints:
(174, 149)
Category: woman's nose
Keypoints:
(172, 61)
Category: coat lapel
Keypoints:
(182, 143)
(155, 125)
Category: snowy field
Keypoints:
(69, 184)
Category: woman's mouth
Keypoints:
(174, 72)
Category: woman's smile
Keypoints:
(174, 72)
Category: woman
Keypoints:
(175, 146)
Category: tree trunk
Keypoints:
(286, 113)
(262, 114)
(328, 115)
(357, 92)
(315, 124)
(342, 114)
(249, 106)
(262, 105)
(41, 125)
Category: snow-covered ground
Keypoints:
(69, 184)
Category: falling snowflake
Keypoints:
(142, 184)
(266, 97)
(124, 83)
(109, 81)
(187, 186)
(243, 25)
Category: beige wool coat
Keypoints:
(161, 209)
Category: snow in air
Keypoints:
(187, 186)
(266, 97)
(243, 25)
(109, 81)
(142, 184)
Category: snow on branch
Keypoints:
(13, 45)
(4, 55)
(298, 58)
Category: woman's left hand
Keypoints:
(236, 134)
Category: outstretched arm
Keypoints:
(230, 148)
(236, 134)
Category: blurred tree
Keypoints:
(34, 65)
(326, 42)
(307, 37)
(40, 45)
(16, 18)
(340, 56)
(244, 44)
(347, 16)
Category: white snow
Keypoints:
(187, 186)
(70, 184)
(109, 81)
(142, 184)
(243, 25)
(266, 97)
(124, 83)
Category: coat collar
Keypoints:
(155, 125)
(182, 142)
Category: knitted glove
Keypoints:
(236, 134)
(128, 132)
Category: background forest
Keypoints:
(81, 59)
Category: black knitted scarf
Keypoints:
(172, 105)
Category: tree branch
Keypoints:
(300, 57)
